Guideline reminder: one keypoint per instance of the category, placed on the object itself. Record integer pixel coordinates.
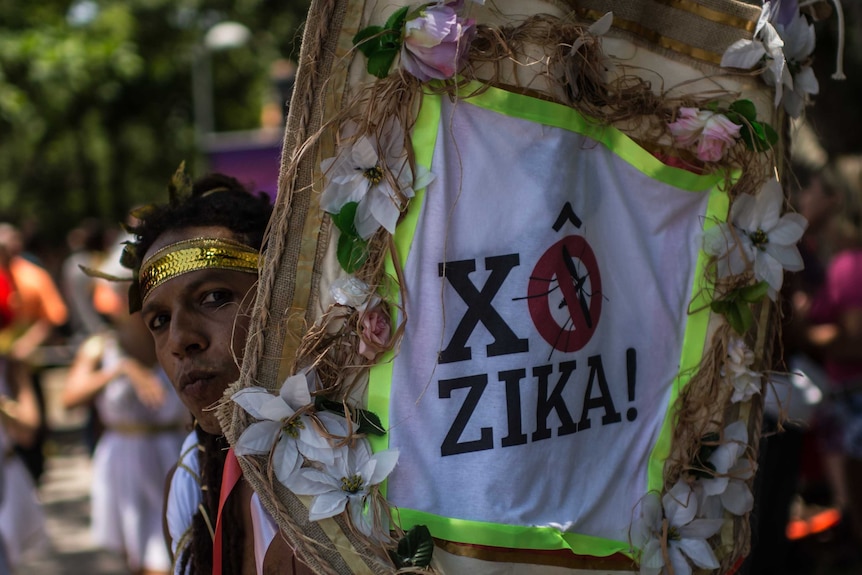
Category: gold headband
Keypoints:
(195, 254)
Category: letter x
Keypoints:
(479, 308)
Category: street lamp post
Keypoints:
(222, 36)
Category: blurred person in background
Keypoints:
(829, 328)
(39, 312)
(7, 289)
(144, 426)
(22, 521)
(86, 243)
(40, 307)
(780, 515)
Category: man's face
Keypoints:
(199, 321)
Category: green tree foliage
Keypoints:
(96, 103)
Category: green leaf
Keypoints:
(737, 119)
(747, 137)
(764, 136)
(344, 219)
(720, 306)
(746, 109)
(381, 44)
(368, 422)
(759, 132)
(414, 549)
(746, 318)
(396, 21)
(352, 251)
(755, 293)
(771, 135)
(735, 320)
(757, 136)
(380, 62)
(368, 40)
(737, 313)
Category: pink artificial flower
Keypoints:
(712, 133)
(374, 334)
(719, 134)
(436, 42)
(687, 127)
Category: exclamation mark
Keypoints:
(631, 371)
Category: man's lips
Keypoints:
(196, 383)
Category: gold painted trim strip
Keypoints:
(552, 558)
(712, 15)
(663, 41)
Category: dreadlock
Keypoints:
(196, 558)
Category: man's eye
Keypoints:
(158, 321)
(217, 297)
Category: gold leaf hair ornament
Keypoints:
(180, 186)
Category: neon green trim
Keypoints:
(694, 340)
(424, 139)
(560, 116)
(512, 536)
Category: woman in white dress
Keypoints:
(22, 520)
(145, 424)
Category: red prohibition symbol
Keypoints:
(580, 286)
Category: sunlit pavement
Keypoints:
(65, 494)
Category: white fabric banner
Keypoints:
(547, 293)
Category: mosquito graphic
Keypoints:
(579, 281)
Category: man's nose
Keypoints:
(186, 337)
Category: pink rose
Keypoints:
(687, 127)
(436, 42)
(374, 332)
(718, 135)
(712, 133)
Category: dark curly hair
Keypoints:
(215, 200)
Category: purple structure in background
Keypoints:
(253, 157)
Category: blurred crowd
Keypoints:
(61, 311)
(808, 505)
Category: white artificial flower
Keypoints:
(685, 536)
(364, 172)
(592, 36)
(737, 368)
(728, 489)
(598, 28)
(296, 435)
(757, 233)
(783, 42)
(346, 483)
(351, 292)
(799, 40)
(765, 44)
